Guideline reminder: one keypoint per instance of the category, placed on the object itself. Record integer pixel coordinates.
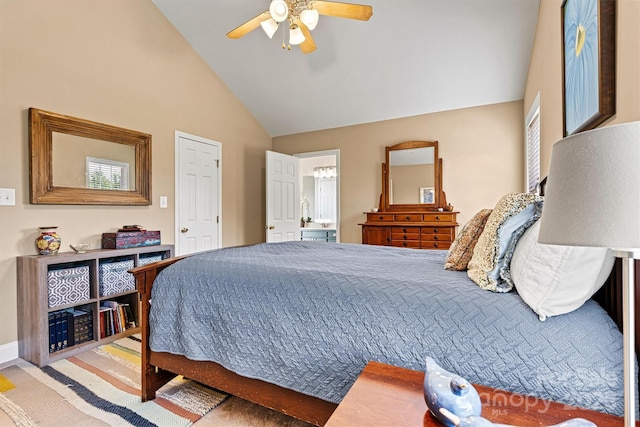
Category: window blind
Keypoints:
(533, 151)
(107, 174)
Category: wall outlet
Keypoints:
(7, 197)
(163, 202)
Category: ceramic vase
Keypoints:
(48, 243)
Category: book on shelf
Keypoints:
(53, 339)
(104, 324)
(117, 317)
(68, 328)
(82, 322)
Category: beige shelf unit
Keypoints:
(33, 298)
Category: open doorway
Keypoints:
(319, 175)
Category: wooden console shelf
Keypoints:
(36, 302)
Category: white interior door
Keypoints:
(283, 204)
(198, 194)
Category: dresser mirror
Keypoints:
(412, 177)
(78, 162)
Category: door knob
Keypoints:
(269, 227)
(184, 229)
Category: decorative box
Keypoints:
(68, 285)
(114, 277)
(148, 259)
(130, 239)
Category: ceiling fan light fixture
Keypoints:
(270, 26)
(279, 10)
(309, 17)
(295, 35)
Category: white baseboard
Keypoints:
(8, 352)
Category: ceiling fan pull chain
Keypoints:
(283, 31)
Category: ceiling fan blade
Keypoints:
(248, 26)
(343, 10)
(308, 45)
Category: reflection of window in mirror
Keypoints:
(73, 152)
(104, 174)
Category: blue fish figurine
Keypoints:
(477, 421)
(442, 389)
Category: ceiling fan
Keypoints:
(301, 17)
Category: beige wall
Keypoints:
(118, 62)
(481, 150)
(545, 71)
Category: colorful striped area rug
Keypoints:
(96, 388)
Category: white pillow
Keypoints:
(554, 279)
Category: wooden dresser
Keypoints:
(413, 210)
(418, 230)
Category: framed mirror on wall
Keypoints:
(412, 177)
(79, 162)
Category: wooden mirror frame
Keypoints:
(439, 199)
(42, 124)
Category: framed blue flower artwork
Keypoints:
(588, 52)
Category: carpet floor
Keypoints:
(101, 387)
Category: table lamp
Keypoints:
(592, 198)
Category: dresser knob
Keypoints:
(380, 217)
(435, 245)
(404, 243)
(404, 237)
(437, 218)
(435, 230)
(404, 230)
(408, 217)
(435, 237)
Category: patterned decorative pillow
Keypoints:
(461, 249)
(510, 213)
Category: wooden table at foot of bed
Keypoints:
(387, 395)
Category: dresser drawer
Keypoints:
(447, 217)
(405, 233)
(436, 238)
(406, 243)
(442, 233)
(435, 245)
(408, 218)
(379, 217)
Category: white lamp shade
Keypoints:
(270, 26)
(309, 17)
(295, 35)
(592, 195)
(279, 10)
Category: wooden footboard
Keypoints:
(159, 368)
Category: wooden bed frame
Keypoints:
(159, 368)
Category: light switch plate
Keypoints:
(7, 197)
(163, 201)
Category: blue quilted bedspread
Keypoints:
(309, 316)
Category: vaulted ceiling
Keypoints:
(412, 57)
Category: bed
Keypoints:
(291, 325)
